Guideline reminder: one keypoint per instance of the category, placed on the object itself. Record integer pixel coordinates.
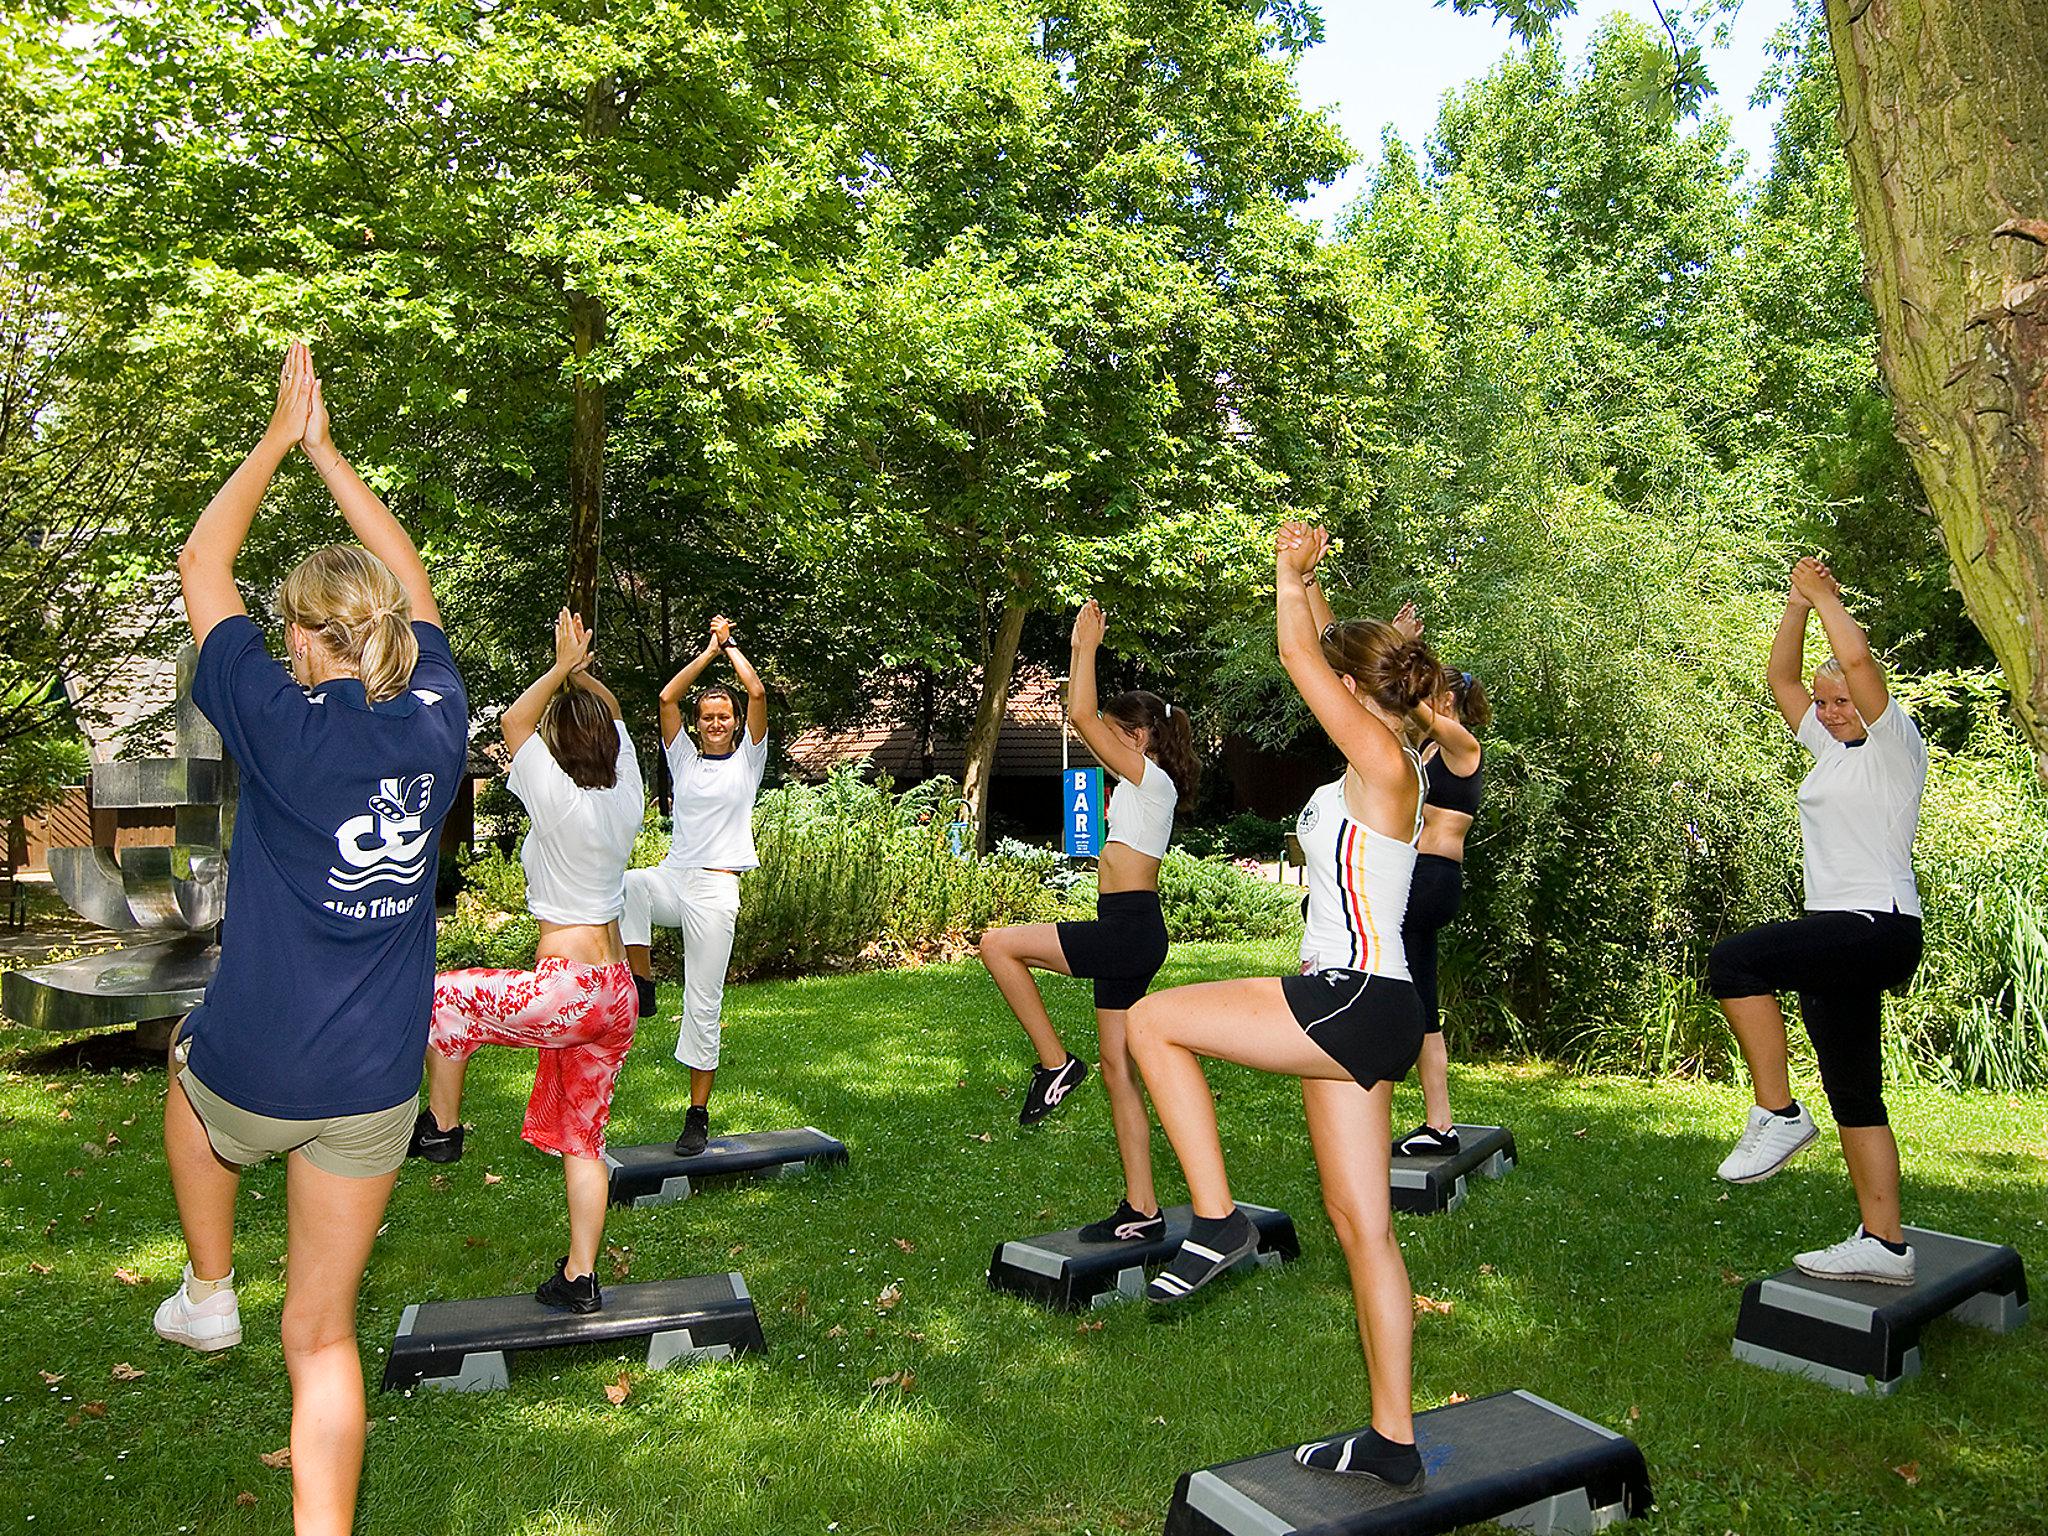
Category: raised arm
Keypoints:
(757, 691)
(1318, 599)
(206, 565)
(572, 651)
(677, 689)
(1084, 709)
(1458, 747)
(367, 516)
(583, 679)
(1787, 667)
(1851, 646)
(1366, 744)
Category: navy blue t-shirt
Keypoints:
(326, 981)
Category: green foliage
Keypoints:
(1243, 836)
(1205, 900)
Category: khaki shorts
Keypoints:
(353, 1146)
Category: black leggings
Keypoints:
(1840, 964)
(1432, 902)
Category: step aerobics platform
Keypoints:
(462, 1346)
(1059, 1270)
(658, 1174)
(1512, 1458)
(1864, 1337)
(1423, 1186)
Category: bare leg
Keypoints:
(1433, 1067)
(1011, 954)
(701, 1079)
(1242, 1021)
(332, 1222)
(588, 1182)
(1759, 1025)
(203, 1185)
(1872, 1153)
(1351, 1129)
(1127, 1110)
(640, 960)
(444, 1088)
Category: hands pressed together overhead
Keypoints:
(573, 640)
(1090, 625)
(1812, 581)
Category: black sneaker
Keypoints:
(696, 1131)
(1126, 1226)
(1049, 1085)
(433, 1143)
(644, 990)
(1212, 1245)
(558, 1290)
(1427, 1141)
(1366, 1454)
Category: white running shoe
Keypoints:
(1858, 1257)
(215, 1323)
(1768, 1143)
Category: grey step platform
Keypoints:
(1423, 1186)
(1863, 1337)
(1512, 1458)
(657, 1174)
(463, 1346)
(1059, 1270)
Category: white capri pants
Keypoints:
(705, 905)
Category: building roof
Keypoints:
(1028, 745)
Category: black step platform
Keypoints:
(1864, 1337)
(1059, 1270)
(1512, 1458)
(658, 1174)
(1423, 1186)
(462, 1346)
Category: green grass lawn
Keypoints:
(1602, 1274)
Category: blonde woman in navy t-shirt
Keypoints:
(311, 1035)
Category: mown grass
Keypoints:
(1599, 1275)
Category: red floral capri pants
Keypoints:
(579, 1017)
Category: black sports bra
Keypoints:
(1450, 791)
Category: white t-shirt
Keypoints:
(1141, 811)
(580, 840)
(1859, 808)
(714, 804)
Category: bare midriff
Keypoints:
(1443, 833)
(1123, 868)
(582, 943)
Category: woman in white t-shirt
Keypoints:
(697, 887)
(1149, 745)
(573, 768)
(1859, 808)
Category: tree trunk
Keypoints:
(586, 463)
(1945, 123)
(988, 719)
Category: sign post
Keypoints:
(1081, 812)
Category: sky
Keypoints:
(1391, 61)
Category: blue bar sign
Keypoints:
(1081, 812)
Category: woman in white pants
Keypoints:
(697, 887)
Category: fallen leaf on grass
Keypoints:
(616, 1392)
(1488, 1269)
(92, 1149)
(51, 1378)
(1635, 1412)
(1094, 1327)
(905, 1244)
(836, 1331)
(1431, 1304)
(622, 1260)
(984, 1136)
(123, 1371)
(94, 1410)
(38, 1267)
(245, 1500)
(63, 1114)
(476, 1242)
(279, 1460)
(1456, 1397)
(1910, 1472)
(799, 1305)
(1158, 1421)
(112, 1141)
(1579, 1134)
(494, 1178)
(735, 1250)
(891, 1294)
(903, 1381)
(127, 1276)
(131, 1078)
(74, 1173)
(1729, 1277)
(438, 1181)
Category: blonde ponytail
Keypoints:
(352, 605)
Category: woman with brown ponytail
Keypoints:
(310, 1039)
(1149, 746)
(1349, 1026)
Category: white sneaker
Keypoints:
(1858, 1257)
(215, 1323)
(1768, 1143)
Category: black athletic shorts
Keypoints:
(1121, 950)
(1371, 1026)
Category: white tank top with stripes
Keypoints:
(1357, 886)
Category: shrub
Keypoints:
(1243, 836)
